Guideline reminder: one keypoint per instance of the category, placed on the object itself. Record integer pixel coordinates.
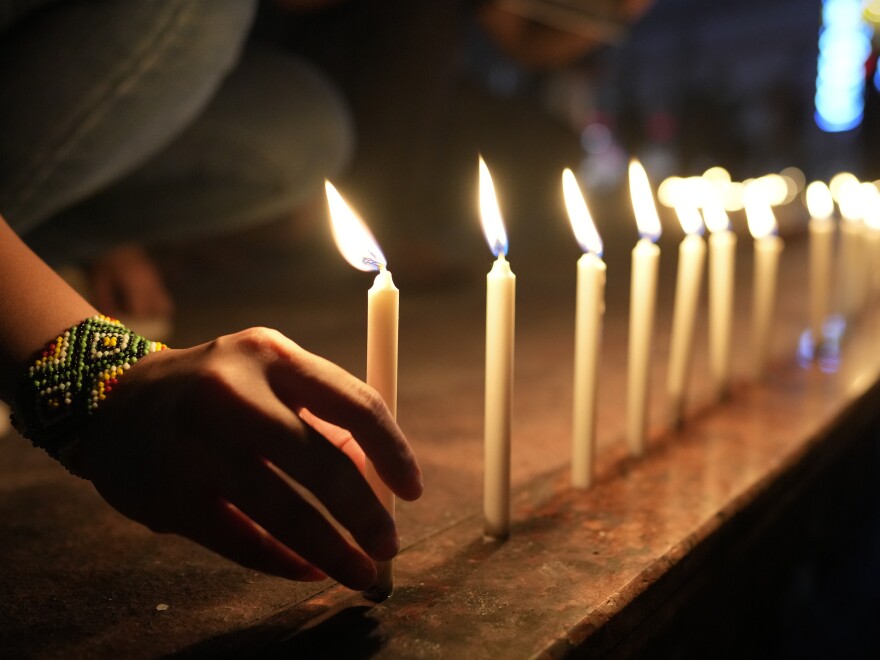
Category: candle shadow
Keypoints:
(343, 631)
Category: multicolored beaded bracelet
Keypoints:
(70, 378)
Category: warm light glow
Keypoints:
(714, 214)
(851, 200)
(643, 202)
(490, 214)
(670, 191)
(762, 222)
(734, 197)
(581, 221)
(872, 208)
(840, 181)
(819, 202)
(771, 188)
(717, 174)
(690, 219)
(352, 236)
(796, 175)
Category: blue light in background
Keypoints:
(844, 47)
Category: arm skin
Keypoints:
(203, 441)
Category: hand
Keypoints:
(204, 441)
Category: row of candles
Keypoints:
(361, 250)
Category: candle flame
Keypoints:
(851, 199)
(872, 208)
(762, 221)
(819, 201)
(690, 218)
(490, 213)
(643, 202)
(352, 236)
(714, 214)
(581, 221)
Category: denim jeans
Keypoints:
(152, 120)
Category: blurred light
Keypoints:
(717, 174)
(851, 199)
(844, 46)
(871, 210)
(796, 175)
(839, 181)
(670, 191)
(734, 195)
(760, 216)
(690, 218)
(770, 189)
(714, 214)
(819, 202)
(596, 138)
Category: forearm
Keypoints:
(35, 305)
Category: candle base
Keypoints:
(495, 536)
(676, 415)
(384, 585)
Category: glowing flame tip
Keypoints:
(352, 236)
(643, 202)
(579, 215)
(490, 213)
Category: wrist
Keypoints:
(68, 380)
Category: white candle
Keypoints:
(500, 311)
(872, 243)
(852, 250)
(691, 259)
(383, 305)
(852, 267)
(643, 296)
(590, 308)
(821, 231)
(722, 267)
(360, 249)
(768, 246)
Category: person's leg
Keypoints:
(90, 90)
(261, 148)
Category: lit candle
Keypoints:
(500, 309)
(722, 266)
(643, 296)
(872, 241)
(762, 226)
(590, 307)
(852, 250)
(691, 258)
(821, 230)
(360, 249)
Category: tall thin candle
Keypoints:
(821, 230)
(852, 250)
(722, 267)
(361, 250)
(768, 246)
(643, 296)
(590, 308)
(500, 313)
(691, 259)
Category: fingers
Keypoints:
(228, 532)
(334, 395)
(338, 437)
(338, 484)
(276, 507)
(282, 438)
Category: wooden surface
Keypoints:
(588, 573)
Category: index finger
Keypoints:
(305, 380)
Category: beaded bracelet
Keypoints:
(70, 378)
